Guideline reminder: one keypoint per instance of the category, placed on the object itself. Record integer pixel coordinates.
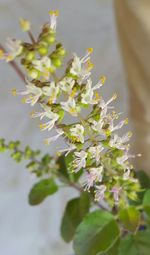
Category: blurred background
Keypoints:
(81, 24)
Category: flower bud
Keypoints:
(17, 156)
(50, 39)
(56, 62)
(30, 56)
(33, 73)
(61, 51)
(43, 50)
(52, 69)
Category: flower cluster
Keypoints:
(98, 151)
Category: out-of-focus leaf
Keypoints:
(41, 190)
(146, 202)
(130, 218)
(75, 211)
(138, 244)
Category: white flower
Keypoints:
(97, 126)
(78, 132)
(53, 19)
(119, 142)
(96, 152)
(118, 126)
(123, 160)
(46, 113)
(80, 160)
(50, 124)
(116, 192)
(81, 67)
(126, 174)
(54, 138)
(70, 106)
(96, 172)
(87, 96)
(100, 192)
(32, 93)
(91, 177)
(88, 181)
(102, 103)
(68, 150)
(66, 84)
(43, 65)
(51, 91)
(15, 47)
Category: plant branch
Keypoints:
(31, 37)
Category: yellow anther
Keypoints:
(32, 114)
(50, 101)
(14, 92)
(115, 96)
(1, 53)
(25, 24)
(90, 65)
(126, 121)
(24, 100)
(46, 73)
(97, 96)
(103, 79)
(54, 12)
(46, 142)
(9, 58)
(41, 126)
(90, 50)
(130, 134)
(72, 110)
(58, 154)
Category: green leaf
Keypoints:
(41, 190)
(146, 202)
(144, 179)
(64, 167)
(96, 234)
(114, 249)
(74, 213)
(138, 244)
(130, 218)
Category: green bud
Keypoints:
(33, 73)
(2, 145)
(13, 145)
(43, 50)
(52, 69)
(46, 159)
(17, 156)
(61, 52)
(32, 165)
(30, 56)
(28, 153)
(2, 141)
(57, 62)
(50, 39)
(25, 62)
(58, 46)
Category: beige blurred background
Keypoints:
(35, 230)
